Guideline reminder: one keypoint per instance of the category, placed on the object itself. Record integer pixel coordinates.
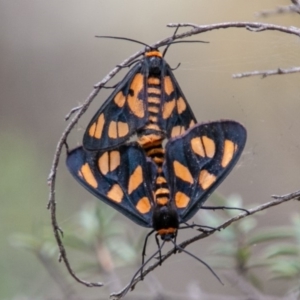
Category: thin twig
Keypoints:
(278, 200)
(293, 8)
(266, 73)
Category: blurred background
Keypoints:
(50, 61)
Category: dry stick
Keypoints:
(293, 8)
(266, 73)
(278, 200)
(62, 141)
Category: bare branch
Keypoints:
(278, 200)
(252, 26)
(280, 10)
(266, 73)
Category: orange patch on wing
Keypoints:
(181, 105)
(123, 129)
(143, 205)
(88, 175)
(135, 104)
(192, 123)
(136, 178)
(117, 129)
(115, 193)
(96, 129)
(206, 179)
(120, 99)
(108, 161)
(228, 153)
(181, 200)
(161, 191)
(209, 146)
(177, 130)
(197, 146)
(168, 85)
(182, 172)
(168, 109)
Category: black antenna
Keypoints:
(122, 38)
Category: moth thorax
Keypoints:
(155, 65)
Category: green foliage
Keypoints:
(244, 248)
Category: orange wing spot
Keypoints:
(182, 172)
(165, 231)
(209, 146)
(153, 80)
(120, 99)
(162, 201)
(177, 130)
(108, 161)
(153, 53)
(160, 180)
(136, 178)
(136, 105)
(115, 193)
(143, 205)
(154, 100)
(228, 153)
(88, 176)
(181, 200)
(168, 85)
(192, 123)
(123, 129)
(96, 129)
(112, 130)
(114, 160)
(181, 105)
(206, 179)
(168, 109)
(197, 146)
(103, 163)
(117, 129)
(154, 90)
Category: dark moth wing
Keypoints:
(181, 116)
(120, 178)
(121, 114)
(148, 95)
(199, 160)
